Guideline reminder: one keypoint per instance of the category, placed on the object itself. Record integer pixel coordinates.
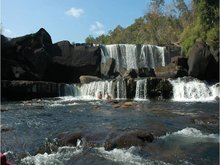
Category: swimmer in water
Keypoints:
(100, 95)
(108, 97)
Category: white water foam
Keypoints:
(60, 157)
(92, 89)
(127, 156)
(141, 89)
(191, 135)
(194, 90)
(130, 56)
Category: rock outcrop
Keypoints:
(34, 57)
(177, 68)
(25, 90)
(69, 62)
(26, 58)
(202, 63)
(88, 79)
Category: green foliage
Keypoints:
(90, 39)
(205, 26)
(182, 25)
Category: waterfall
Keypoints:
(130, 56)
(193, 90)
(141, 89)
(71, 90)
(94, 88)
(121, 89)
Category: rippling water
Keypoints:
(185, 132)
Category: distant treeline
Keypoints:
(176, 23)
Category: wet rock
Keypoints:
(125, 105)
(88, 79)
(146, 72)
(158, 88)
(130, 88)
(128, 139)
(5, 128)
(180, 61)
(26, 90)
(178, 67)
(131, 73)
(128, 104)
(205, 121)
(70, 139)
(107, 68)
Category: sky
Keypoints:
(71, 20)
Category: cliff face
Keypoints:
(34, 57)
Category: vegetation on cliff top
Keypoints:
(165, 24)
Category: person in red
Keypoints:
(4, 160)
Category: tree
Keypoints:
(205, 25)
(90, 39)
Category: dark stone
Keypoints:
(171, 70)
(107, 68)
(202, 63)
(26, 90)
(180, 61)
(158, 88)
(70, 139)
(70, 62)
(166, 89)
(26, 57)
(130, 88)
(33, 57)
(146, 72)
(131, 73)
(128, 139)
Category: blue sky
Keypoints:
(72, 20)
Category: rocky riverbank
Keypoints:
(33, 67)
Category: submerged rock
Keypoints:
(69, 139)
(128, 139)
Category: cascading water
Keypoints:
(121, 89)
(141, 89)
(92, 89)
(71, 90)
(130, 56)
(193, 90)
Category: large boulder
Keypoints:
(130, 88)
(146, 72)
(129, 138)
(202, 63)
(88, 79)
(69, 62)
(33, 57)
(107, 68)
(26, 57)
(158, 88)
(177, 68)
(131, 73)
